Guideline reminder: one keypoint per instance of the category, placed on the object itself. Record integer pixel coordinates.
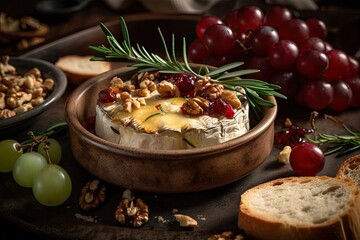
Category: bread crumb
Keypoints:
(160, 219)
(85, 218)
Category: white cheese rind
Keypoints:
(202, 131)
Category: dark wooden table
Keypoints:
(344, 35)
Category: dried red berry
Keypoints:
(223, 108)
(107, 95)
(89, 123)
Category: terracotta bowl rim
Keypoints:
(71, 116)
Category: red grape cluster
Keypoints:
(288, 51)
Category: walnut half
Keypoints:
(132, 213)
(92, 195)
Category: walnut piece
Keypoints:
(92, 195)
(231, 98)
(166, 89)
(185, 221)
(6, 113)
(284, 155)
(212, 92)
(196, 106)
(228, 235)
(137, 78)
(133, 214)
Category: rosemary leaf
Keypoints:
(237, 73)
(165, 46)
(224, 68)
(125, 33)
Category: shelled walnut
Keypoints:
(196, 106)
(132, 213)
(92, 195)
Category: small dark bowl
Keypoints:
(14, 125)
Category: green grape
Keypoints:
(52, 186)
(54, 150)
(10, 150)
(27, 167)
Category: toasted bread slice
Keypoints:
(301, 208)
(79, 68)
(350, 169)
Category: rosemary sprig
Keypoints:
(226, 75)
(340, 144)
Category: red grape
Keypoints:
(317, 28)
(307, 159)
(354, 84)
(312, 64)
(262, 64)
(245, 19)
(217, 61)
(204, 23)
(283, 54)
(353, 67)
(276, 16)
(263, 39)
(198, 52)
(294, 30)
(287, 81)
(338, 65)
(312, 43)
(317, 95)
(342, 96)
(328, 46)
(219, 39)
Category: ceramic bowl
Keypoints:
(162, 171)
(14, 125)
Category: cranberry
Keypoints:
(185, 84)
(107, 95)
(89, 123)
(223, 108)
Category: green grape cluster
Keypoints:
(37, 168)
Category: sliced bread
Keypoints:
(79, 68)
(350, 169)
(301, 208)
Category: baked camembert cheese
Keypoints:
(170, 111)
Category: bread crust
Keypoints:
(349, 165)
(342, 226)
(79, 68)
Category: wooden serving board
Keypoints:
(215, 210)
